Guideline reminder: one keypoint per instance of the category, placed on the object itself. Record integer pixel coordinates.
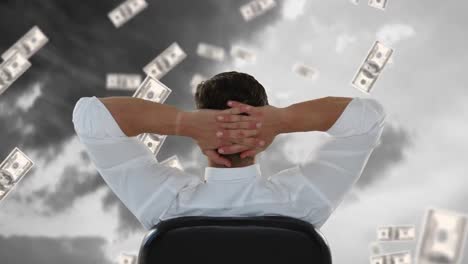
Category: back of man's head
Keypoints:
(215, 92)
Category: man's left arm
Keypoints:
(126, 164)
(137, 116)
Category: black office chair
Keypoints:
(239, 240)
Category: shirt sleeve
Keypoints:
(329, 173)
(131, 170)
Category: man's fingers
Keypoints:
(244, 133)
(228, 117)
(237, 133)
(233, 149)
(249, 153)
(245, 108)
(215, 157)
(233, 114)
(225, 142)
(237, 110)
(250, 142)
(241, 125)
(234, 111)
(241, 106)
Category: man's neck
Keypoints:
(234, 165)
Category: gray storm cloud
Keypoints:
(73, 185)
(45, 250)
(84, 46)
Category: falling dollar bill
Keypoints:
(372, 66)
(122, 81)
(165, 61)
(379, 4)
(243, 54)
(256, 8)
(3, 191)
(12, 170)
(173, 161)
(396, 233)
(12, 69)
(443, 237)
(210, 52)
(126, 11)
(125, 258)
(153, 141)
(152, 90)
(196, 80)
(305, 71)
(403, 257)
(27, 45)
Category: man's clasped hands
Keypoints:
(231, 131)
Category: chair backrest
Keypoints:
(240, 240)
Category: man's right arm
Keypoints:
(354, 127)
(314, 115)
(321, 181)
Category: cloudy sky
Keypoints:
(62, 210)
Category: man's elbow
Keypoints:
(80, 116)
(375, 114)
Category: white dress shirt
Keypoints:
(309, 191)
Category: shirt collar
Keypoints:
(227, 174)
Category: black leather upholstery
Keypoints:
(222, 240)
